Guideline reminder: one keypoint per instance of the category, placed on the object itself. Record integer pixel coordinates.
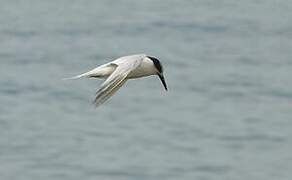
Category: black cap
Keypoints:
(157, 64)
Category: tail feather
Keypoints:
(100, 71)
(71, 78)
(77, 77)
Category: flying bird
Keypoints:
(120, 70)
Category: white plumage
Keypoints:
(118, 71)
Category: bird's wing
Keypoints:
(115, 81)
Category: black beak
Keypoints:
(161, 77)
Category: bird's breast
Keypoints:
(145, 69)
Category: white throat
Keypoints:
(146, 68)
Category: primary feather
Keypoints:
(115, 80)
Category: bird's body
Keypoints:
(121, 69)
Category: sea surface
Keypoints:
(227, 114)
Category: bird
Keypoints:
(118, 71)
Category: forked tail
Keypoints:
(101, 71)
(78, 76)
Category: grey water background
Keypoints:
(227, 114)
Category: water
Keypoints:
(227, 114)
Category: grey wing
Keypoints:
(114, 82)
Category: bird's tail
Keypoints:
(96, 72)
(78, 76)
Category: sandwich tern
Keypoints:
(120, 70)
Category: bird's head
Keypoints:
(159, 70)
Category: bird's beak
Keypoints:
(161, 77)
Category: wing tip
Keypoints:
(97, 103)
